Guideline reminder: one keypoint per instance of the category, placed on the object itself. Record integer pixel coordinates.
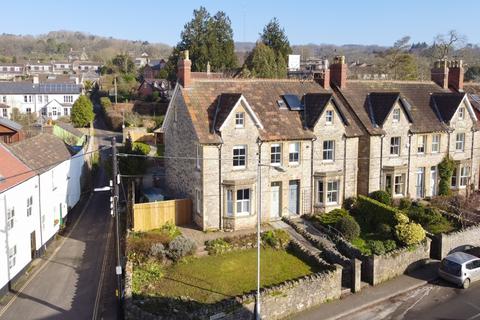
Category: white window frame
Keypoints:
(10, 218)
(420, 182)
(333, 191)
(460, 144)
(328, 154)
(239, 157)
(240, 120)
(294, 153)
(461, 113)
(276, 154)
(29, 206)
(329, 116)
(12, 256)
(400, 184)
(230, 209)
(197, 156)
(320, 192)
(464, 176)
(198, 201)
(395, 143)
(5, 112)
(4, 99)
(436, 143)
(242, 204)
(421, 144)
(396, 115)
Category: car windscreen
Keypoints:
(451, 267)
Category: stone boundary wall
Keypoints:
(277, 301)
(397, 262)
(443, 244)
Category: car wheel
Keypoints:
(466, 284)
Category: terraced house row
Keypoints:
(291, 147)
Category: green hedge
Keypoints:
(374, 212)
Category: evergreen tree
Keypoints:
(209, 40)
(274, 36)
(82, 112)
(262, 62)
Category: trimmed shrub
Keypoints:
(348, 227)
(384, 230)
(139, 245)
(389, 245)
(277, 238)
(405, 203)
(400, 218)
(373, 212)
(376, 247)
(157, 250)
(381, 196)
(410, 233)
(349, 203)
(105, 103)
(331, 218)
(217, 246)
(141, 148)
(180, 247)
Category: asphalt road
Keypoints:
(77, 280)
(437, 301)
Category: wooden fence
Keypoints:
(152, 215)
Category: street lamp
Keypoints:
(259, 221)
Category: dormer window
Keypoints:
(396, 115)
(461, 113)
(329, 116)
(240, 120)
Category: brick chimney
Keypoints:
(439, 73)
(455, 75)
(338, 72)
(324, 79)
(184, 72)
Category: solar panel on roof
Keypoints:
(293, 102)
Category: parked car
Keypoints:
(460, 268)
(474, 251)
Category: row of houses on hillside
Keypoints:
(306, 146)
(48, 99)
(39, 184)
(18, 71)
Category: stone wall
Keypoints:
(278, 301)
(388, 266)
(455, 241)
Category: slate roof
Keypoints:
(225, 104)
(12, 171)
(202, 99)
(473, 91)
(10, 124)
(447, 104)
(69, 128)
(41, 152)
(42, 88)
(315, 103)
(416, 94)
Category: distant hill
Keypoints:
(56, 45)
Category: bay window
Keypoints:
(243, 202)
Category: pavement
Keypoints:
(370, 296)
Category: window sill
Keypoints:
(326, 205)
(239, 127)
(239, 168)
(238, 217)
(328, 161)
(294, 164)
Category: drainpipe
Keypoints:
(312, 180)
(381, 161)
(220, 213)
(471, 157)
(344, 165)
(448, 143)
(408, 165)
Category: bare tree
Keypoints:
(445, 44)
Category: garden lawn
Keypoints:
(214, 278)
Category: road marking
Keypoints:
(19, 291)
(425, 293)
(104, 267)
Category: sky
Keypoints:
(333, 22)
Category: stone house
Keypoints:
(234, 146)
(409, 127)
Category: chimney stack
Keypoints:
(455, 75)
(338, 72)
(184, 72)
(439, 73)
(324, 79)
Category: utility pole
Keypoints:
(115, 85)
(116, 181)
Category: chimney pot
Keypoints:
(439, 73)
(455, 75)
